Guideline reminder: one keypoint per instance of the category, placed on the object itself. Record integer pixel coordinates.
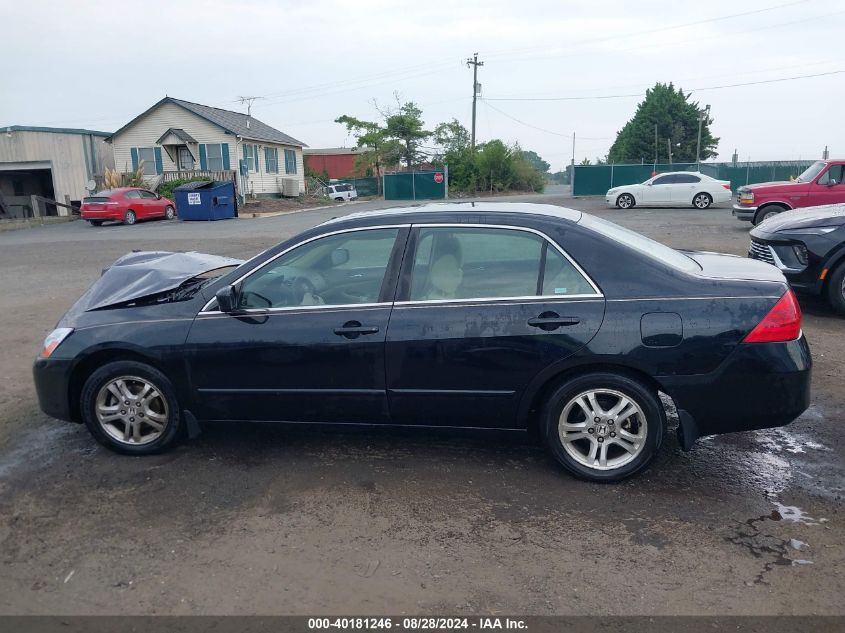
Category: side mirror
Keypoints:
(226, 299)
(832, 182)
(340, 256)
(158, 196)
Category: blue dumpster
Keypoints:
(206, 200)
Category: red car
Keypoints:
(127, 205)
(821, 183)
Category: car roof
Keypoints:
(519, 208)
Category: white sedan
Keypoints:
(673, 189)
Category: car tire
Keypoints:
(767, 212)
(129, 217)
(836, 289)
(635, 439)
(702, 200)
(133, 428)
(338, 199)
(169, 213)
(625, 201)
(95, 222)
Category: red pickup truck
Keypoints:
(821, 183)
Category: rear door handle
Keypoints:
(354, 329)
(549, 321)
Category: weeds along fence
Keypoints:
(595, 180)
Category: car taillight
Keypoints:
(782, 323)
(727, 186)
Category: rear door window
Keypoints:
(453, 263)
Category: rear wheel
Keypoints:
(604, 426)
(95, 222)
(836, 289)
(702, 201)
(169, 213)
(129, 217)
(625, 201)
(767, 212)
(131, 408)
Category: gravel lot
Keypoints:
(264, 520)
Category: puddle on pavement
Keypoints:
(781, 440)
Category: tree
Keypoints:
(535, 161)
(676, 119)
(406, 126)
(380, 150)
(451, 137)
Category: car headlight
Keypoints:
(54, 339)
(746, 197)
(813, 230)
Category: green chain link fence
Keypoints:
(595, 180)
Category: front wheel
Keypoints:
(625, 201)
(131, 408)
(702, 201)
(129, 217)
(338, 199)
(767, 212)
(169, 213)
(836, 289)
(604, 427)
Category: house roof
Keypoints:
(232, 122)
(52, 130)
(178, 133)
(334, 151)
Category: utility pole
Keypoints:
(702, 114)
(475, 90)
(655, 146)
(669, 145)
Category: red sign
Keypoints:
(438, 177)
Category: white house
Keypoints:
(181, 139)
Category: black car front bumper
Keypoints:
(52, 385)
(759, 386)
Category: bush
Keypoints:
(165, 189)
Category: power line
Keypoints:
(659, 30)
(640, 94)
(513, 118)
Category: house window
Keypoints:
(251, 157)
(290, 161)
(214, 157)
(147, 154)
(271, 160)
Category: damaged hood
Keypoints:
(143, 274)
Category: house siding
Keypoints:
(261, 182)
(147, 130)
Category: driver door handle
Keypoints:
(549, 321)
(354, 329)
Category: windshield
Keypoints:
(640, 243)
(811, 172)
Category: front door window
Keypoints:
(186, 160)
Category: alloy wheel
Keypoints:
(169, 213)
(701, 201)
(624, 201)
(132, 410)
(603, 429)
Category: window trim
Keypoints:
(411, 253)
(208, 157)
(205, 309)
(151, 148)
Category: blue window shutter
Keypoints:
(159, 163)
(257, 164)
(203, 157)
(225, 148)
(134, 152)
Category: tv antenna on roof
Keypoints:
(248, 101)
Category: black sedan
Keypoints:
(808, 245)
(495, 316)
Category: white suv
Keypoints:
(342, 192)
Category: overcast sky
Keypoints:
(98, 64)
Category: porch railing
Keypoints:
(227, 174)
